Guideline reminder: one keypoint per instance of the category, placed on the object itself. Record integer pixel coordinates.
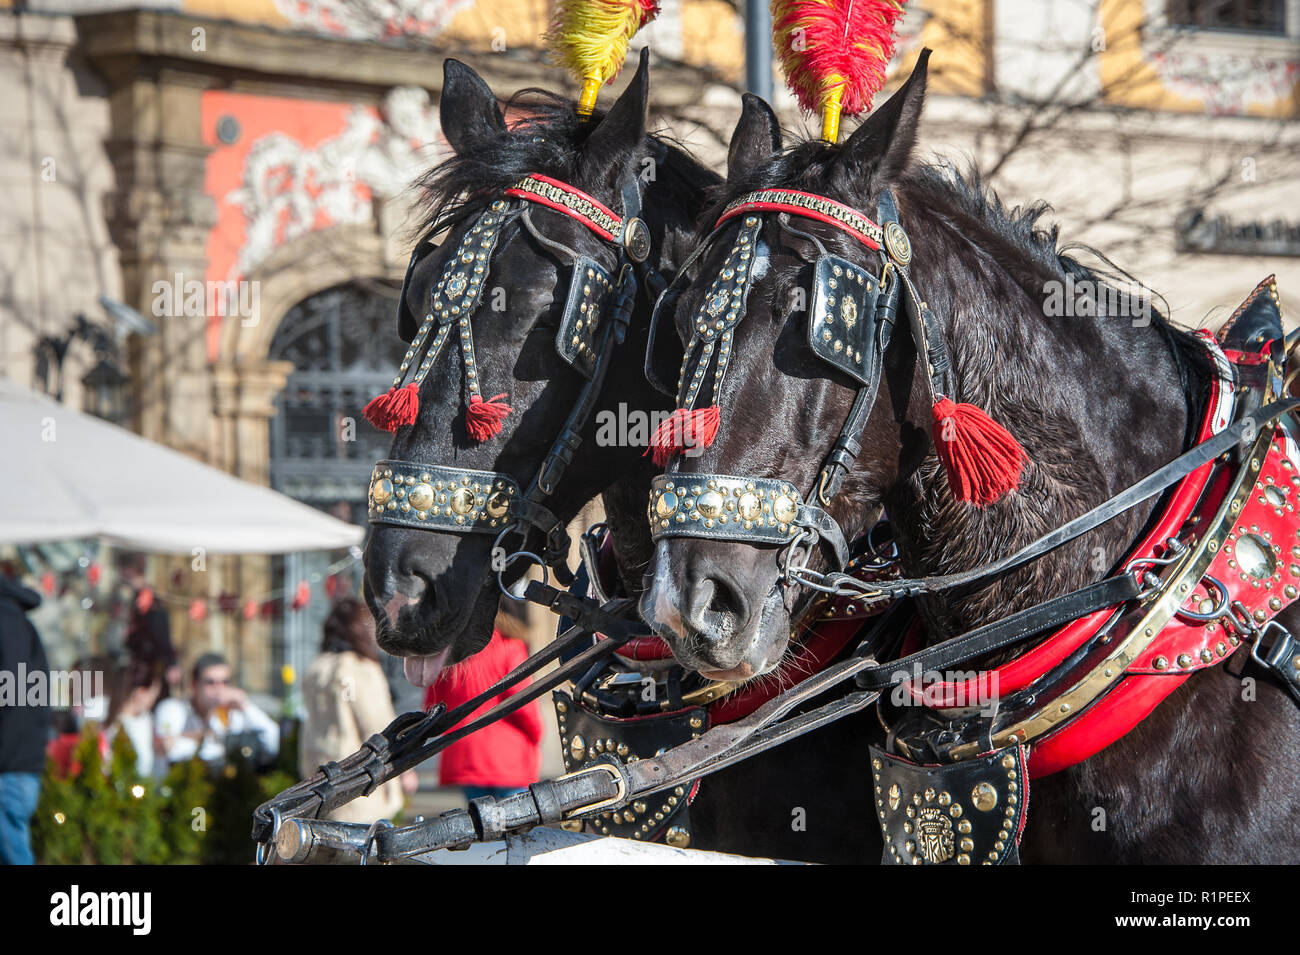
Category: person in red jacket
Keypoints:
(503, 757)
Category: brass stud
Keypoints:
(984, 796)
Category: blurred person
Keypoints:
(135, 691)
(149, 633)
(216, 713)
(347, 701)
(24, 722)
(85, 709)
(503, 757)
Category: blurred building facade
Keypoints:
(238, 171)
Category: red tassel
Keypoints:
(398, 407)
(483, 417)
(684, 430)
(982, 459)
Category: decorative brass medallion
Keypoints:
(636, 239)
(498, 504)
(710, 504)
(679, 837)
(895, 794)
(421, 497)
(897, 244)
(784, 509)
(849, 312)
(934, 839)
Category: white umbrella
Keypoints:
(64, 474)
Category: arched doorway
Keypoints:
(343, 345)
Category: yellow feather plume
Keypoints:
(590, 38)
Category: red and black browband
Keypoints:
(809, 206)
(571, 201)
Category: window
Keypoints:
(345, 350)
(1259, 16)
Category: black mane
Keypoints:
(1012, 238)
(548, 139)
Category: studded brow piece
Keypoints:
(453, 301)
(711, 330)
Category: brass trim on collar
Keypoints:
(1162, 606)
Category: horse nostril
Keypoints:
(716, 608)
(394, 604)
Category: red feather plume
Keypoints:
(827, 45)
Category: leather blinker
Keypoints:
(589, 295)
(842, 324)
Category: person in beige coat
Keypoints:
(347, 701)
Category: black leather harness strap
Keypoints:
(1278, 651)
(608, 784)
(1148, 487)
(1007, 631)
(847, 446)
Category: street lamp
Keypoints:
(105, 393)
(106, 386)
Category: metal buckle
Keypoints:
(617, 800)
(1277, 651)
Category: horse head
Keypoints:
(720, 603)
(895, 352)
(515, 319)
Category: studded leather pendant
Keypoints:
(966, 813)
(586, 736)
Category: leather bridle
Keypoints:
(595, 319)
(851, 319)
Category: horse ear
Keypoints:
(757, 137)
(468, 111)
(624, 126)
(879, 149)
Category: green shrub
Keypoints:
(194, 816)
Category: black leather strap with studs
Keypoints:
(972, 812)
(442, 498)
(747, 509)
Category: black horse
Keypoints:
(434, 595)
(1096, 401)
